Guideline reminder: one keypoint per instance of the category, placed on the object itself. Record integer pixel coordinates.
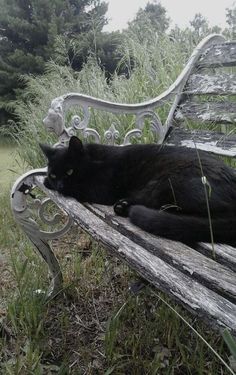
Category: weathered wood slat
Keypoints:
(219, 55)
(187, 260)
(225, 254)
(187, 291)
(217, 143)
(207, 112)
(218, 84)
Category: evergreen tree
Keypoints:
(102, 45)
(28, 32)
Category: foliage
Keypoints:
(191, 36)
(102, 45)
(152, 16)
(151, 67)
(199, 28)
(199, 25)
(231, 21)
(231, 343)
(28, 31)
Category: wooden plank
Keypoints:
(225, 254)
(194, 296)
(217, 143)
(207, 112)
(219, 55)
(217, 84)
(187, 260)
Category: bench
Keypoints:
(202, 114)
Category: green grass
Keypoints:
(96, 326)
(9, 167)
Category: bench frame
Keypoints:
(116, 233)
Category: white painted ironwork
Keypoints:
(21, 209)
(132, 134)
(112, 135)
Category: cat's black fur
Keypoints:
(160, 188)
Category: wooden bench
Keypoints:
(202, 114)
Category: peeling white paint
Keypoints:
(220, 83)
(209, 146)
(115, 222)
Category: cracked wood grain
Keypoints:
(225, 254)
(219, 55)
(215, 142)
(223, 112)
(217, 84)
(208, 271)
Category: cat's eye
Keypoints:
(69, 172)
(53, 176)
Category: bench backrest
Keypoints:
(207, 102)
(204, 93)
(213, 78)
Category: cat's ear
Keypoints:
(47, 150)
(75, 146)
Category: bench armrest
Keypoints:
(22, 203)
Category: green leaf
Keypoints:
(230, 342)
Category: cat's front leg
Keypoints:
(121, 207)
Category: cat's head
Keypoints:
(63, 164)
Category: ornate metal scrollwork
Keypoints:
(55, 122)
(89, 132)
(54, 220)
(21, 208)
(82, 127)
(112, 135)
(156, 126)
(132, 134)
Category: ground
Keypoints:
(97, 325)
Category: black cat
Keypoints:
(160, 188)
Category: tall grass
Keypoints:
(97, 327)
(152, 66)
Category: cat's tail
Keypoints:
(187, 229)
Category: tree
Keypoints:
(231, 21)
(200, 26)
(28, 32)
(154, 15)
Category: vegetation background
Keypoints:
(97, 326)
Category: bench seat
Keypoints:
(203, 280)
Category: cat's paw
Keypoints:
(121, 207)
